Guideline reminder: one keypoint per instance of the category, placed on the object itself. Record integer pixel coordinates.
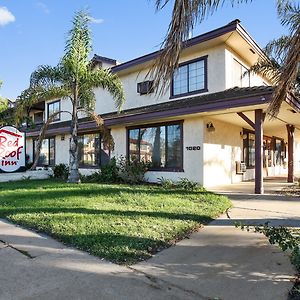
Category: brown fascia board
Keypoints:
(232, 26)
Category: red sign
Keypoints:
(12, 149)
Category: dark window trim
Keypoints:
(52, 102)
(205, 89)
(46, 138)
(160, 124)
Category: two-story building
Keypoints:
(210, 120)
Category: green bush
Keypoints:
(110, 172)
(166, 183)
(61, 171)
(187, 185)
(132, 171)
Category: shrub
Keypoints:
(110, 172)
(61, 171)
(186, 184)
(166, 183)
(132, 171)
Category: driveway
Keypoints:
(217, 262)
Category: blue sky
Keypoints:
(33, 32)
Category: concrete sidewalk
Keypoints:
(218, 262)
(223, 262)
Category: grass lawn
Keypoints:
(121, 223)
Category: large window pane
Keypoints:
(89, 149)
(53, 108)
(134, 144)
(160, 145)
(44, 154)
(47, 153)
(174, 150)
(152, 145)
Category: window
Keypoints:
(38, 118)
(92, 152)
(161, 145)
(279, 153)
(273, 154)
(54, 107)
(47, 154)
(249, 149)
(190, 78)
(240, 75)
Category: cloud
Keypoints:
(6, 16)
(43, 7)
(96, 21)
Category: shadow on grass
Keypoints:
(109, 212)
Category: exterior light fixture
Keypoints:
(210, 127)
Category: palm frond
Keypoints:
(36, 94)
(46, 76)
(78, 45)
(289, 14)
(289, 75)
(108, 81)
(186, 13)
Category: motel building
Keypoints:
(210, 126)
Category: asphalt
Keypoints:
(218, 262)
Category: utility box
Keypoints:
(240, 167)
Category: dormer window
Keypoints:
(190, 78)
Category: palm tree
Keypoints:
(75, 79)
(185, 15)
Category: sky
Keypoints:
(33, 32)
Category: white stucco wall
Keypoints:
(221, 149)
(230, 55)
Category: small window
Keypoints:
(54, 107)
(240, 75)
(38, 118)
(160, 145)
(190, 78)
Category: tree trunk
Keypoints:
(73, 160)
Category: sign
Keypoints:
(12, 149)
(193, 148)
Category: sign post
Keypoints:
(12, 150)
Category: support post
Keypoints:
(259, 119)
(290, 133)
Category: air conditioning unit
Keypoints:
(145, 87)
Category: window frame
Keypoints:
(53, 102)
(54, 160)
(165, 124)
(187, 63)
(86, 166)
